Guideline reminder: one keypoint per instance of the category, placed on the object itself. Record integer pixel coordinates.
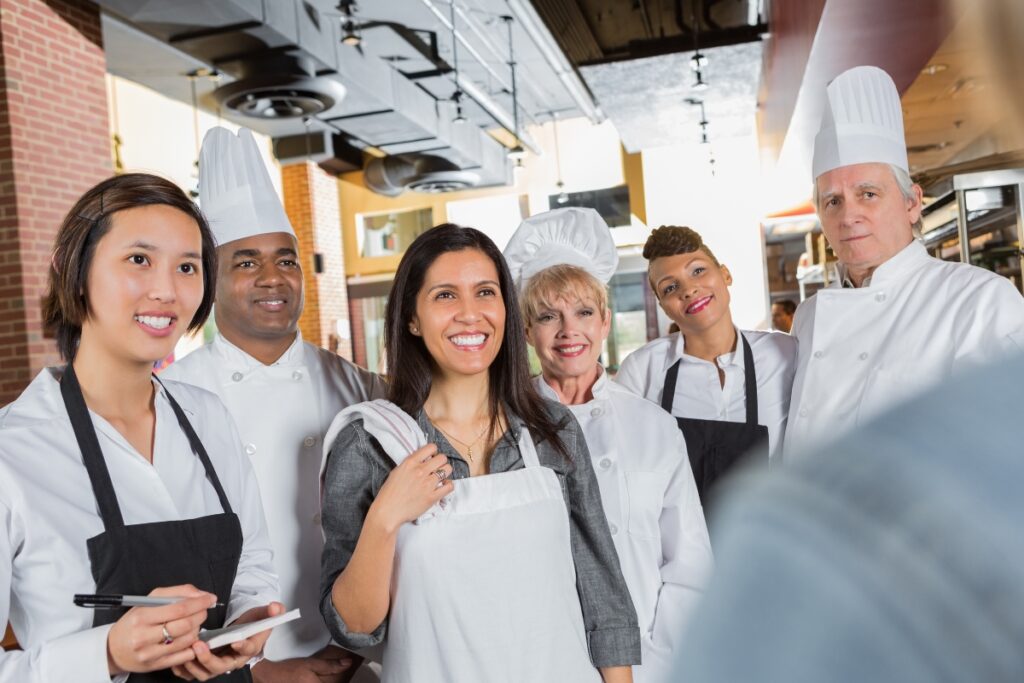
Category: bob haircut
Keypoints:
(561, 282)
(411, 363)
(66, 304)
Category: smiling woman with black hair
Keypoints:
(463, 520)
(114, 482)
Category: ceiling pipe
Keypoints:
(527, 17)
(474, 25)
(486, 102)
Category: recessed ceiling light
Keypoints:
(933, 69)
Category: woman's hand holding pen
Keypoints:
(208, 664)
(411, 488)
(154, 638)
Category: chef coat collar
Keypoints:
(905, 261)
(601, 388)
(677, 351)
(515, 426)
(234, 356)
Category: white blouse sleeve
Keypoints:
(80, 656)
(686, 561)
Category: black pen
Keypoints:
(112, 601)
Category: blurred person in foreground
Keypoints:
(890, 557)
(897, 320)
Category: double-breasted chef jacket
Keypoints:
(653, 511)
(282, 412)
(918, 320)
(48, 511)
(699, 392)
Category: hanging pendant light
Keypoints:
(457, 95)
(350, 34)
(698, 61)
(516, 153)
(563, 196)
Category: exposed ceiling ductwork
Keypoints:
(279, 87)
(425, 173)
(282, 62)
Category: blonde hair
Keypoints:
(557, 283)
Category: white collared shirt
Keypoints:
(916, 322)
(653, 510)
(283, 411)
(48, 511)
(699, 391)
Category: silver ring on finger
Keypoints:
(168, 639)
(440, 474)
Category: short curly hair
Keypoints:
(672, 240)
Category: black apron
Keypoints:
(716, 446)
(135, 559)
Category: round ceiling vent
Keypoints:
(286, 90)
(425, 173)
(443, 181)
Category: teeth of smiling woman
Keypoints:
(157, 323)
(469, 340)
(571, 349)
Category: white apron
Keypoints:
(484, 585)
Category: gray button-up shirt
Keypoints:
(356, 470)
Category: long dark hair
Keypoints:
(410, 364)
(66, 304)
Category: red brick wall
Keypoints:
(54, 145)
(311, 202)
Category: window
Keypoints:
(387, 234)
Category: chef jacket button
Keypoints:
(297, 375)
(595, 412)
(250, 448)
(237, 376)
(605, 463)
(614, 529)
(880, 297)
(803, 412)
(308, 442)
(316, 518)
(818, 354)
(864, 356)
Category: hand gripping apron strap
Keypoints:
(668, 394)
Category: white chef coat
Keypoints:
(654, 513)
(699, 391)
(48, 511)
(865, 350)
(283, 411)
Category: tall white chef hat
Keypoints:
(572, 236)
(862, 123)
(235, 191)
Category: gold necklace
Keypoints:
(467, 446)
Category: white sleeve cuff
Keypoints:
(80, 656)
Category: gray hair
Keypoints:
(903, 181)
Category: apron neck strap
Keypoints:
(197, 447)
(668, 393)
(89, 445)
(527, 449)
(750, 380)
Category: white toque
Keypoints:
(571, 236)
(862, 123)
(235, 191)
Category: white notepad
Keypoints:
(219, 637)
